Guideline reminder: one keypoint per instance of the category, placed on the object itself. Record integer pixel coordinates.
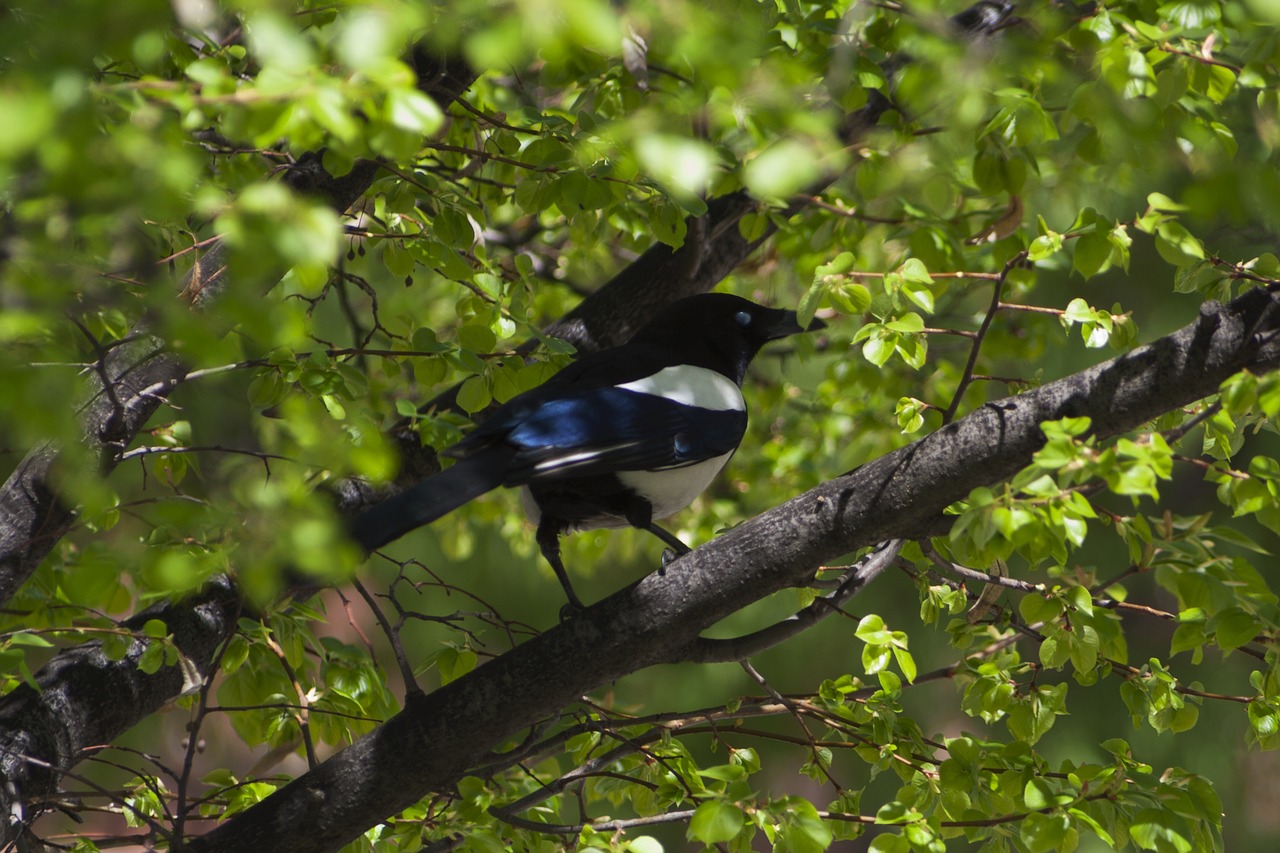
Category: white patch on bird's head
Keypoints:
(691, 386)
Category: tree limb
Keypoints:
(437, 738)
(856, 579)
(33, 519)
(86, 699)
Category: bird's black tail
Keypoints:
(435, 496)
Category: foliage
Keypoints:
(1033, 199)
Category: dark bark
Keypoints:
(33, 519)
(32, 515)
(87, 700)
(437, 738)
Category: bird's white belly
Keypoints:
(670, 490)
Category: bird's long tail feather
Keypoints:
(434, 497)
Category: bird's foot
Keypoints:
(669, 556)
(570, 610)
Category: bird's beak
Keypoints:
(786, 323)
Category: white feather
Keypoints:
(691, 386)
(670, 490)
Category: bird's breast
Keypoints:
(669, 490)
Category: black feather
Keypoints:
(434, 497)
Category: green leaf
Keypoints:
(810, 302)
(26, 638)
(913, 270)
(909, 323)
(1091, 253)
(871, 629)
(455, 663)
(724, 772)
(886, 842)
(878, 350)
(152, 658)
(681, 164)
(905, 662)
(780, 170)
(1044, 246)
(477, 338)
(644, 844)
(851, 297)
(715, 822)
(1037, 794)
(1234, 628)
(397, 258)
(1161, 202)
(1154, 829)
(1043, 833)
(473, 395)
(910, 414)
(1177, 245)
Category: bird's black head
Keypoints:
(719, 330)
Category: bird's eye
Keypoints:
(742, 318)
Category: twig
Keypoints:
(706, 650)
(967, 377)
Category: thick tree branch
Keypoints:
(33, 519)
(437, 738)
(86, 699)
(122, 395)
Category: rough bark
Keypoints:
(40, 739)
(87, 700)
(437, 738)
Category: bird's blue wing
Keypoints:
(604, 430)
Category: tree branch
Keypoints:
(86, 699)
(32, 518)
(706, 650)
(437, 738)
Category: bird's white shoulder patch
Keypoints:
(691, 386)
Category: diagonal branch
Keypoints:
(33, 519)
(854, 581)
(87, 699)
(437, 738)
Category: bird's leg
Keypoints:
(548, 538)
(677, 549)
(640, 516)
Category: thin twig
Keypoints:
(967, 377)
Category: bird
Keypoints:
(620, 437)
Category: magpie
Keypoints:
(619, 437)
